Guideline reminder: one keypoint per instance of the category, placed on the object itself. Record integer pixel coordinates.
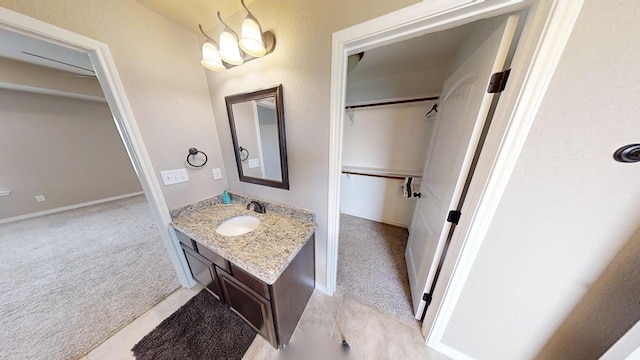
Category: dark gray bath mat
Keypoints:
(203, 328)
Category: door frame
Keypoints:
(122, 113)
(549, 25)
(256, 121)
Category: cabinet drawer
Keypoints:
(185, 240)
(254, 309)
(251, 281)
(213, 257)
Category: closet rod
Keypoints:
(377, 175)
(392, 102)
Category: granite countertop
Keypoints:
(264, 252)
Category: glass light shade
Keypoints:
(210, 58)
(229, 50)
(251, 42)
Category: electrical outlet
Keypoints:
(217, 174)
(254, 163)
(170, 177)
(40, 198)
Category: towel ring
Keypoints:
(628, 154)
(240, 150)
(194, 152)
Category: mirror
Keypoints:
(257, 130)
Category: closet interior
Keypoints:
(391, 110)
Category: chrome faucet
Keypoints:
(257, 207)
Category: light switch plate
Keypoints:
(170, 177)
(217, 174)
(254, 163)
(40, 198)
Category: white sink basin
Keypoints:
(238, 225)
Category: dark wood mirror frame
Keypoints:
(276, 92)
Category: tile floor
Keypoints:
(371, 333)
(119, 345)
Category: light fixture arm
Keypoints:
(227, 28)
(207, 36)
(250, 13)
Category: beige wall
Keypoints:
(606, 313)
(425, 82)
(392, 137)
(301, 62)
(65, 149)
(158, 63)
(568, 207)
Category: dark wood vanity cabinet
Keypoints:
(202, 267)
(203, 272)
(253, 308)
(273, 311)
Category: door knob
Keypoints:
(628, 153)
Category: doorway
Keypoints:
(400, 127)
(543, 38)
(157, 217)
(107, 75)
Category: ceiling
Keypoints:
(186, 13)
(189, 13)
(430, 51)
(31, 50)
(433, 50)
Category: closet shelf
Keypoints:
(378, 172)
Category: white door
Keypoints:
(463, 108)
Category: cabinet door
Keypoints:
(203, 272)
(251, 281)
(254, 309)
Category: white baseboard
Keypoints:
(70, 207)
(384, 221)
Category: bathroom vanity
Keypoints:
(265, 276)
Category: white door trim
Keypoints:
(543, 40)
(125, 121)
(627, 347)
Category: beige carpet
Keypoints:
(371, 265)
(70, 280)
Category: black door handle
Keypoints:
(418, 195)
